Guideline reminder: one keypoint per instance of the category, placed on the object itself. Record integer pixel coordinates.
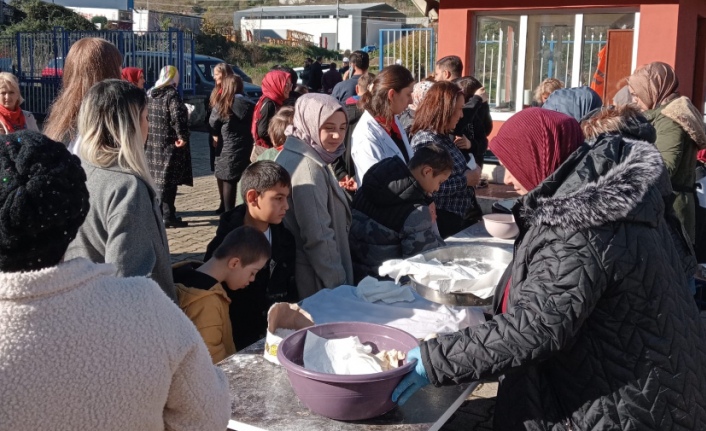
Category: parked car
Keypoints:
(369, 48)
(203, 81)
(55, 68)
(324, 68)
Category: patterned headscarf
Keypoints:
(418, 92)
(533, 143)
(310, 113)
(655, 84)
(169, 75)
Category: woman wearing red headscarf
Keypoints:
(599, 330)
(276, 86)
(134, 75)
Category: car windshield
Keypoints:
(207, 68)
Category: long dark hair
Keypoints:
(230, 86)
(225, 70)
(375, 101)
(469, 85)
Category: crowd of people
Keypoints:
(594, 324)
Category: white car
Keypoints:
(299, 70)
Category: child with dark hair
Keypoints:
(241, 255)
(265, 186)
(391, 211)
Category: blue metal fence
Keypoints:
(37, 59)
(412, 48)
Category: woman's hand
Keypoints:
(462, 143)
(215, 141)
(180, 143)
(348, 183)
(412, 382)
(482, 94)
(473, 176)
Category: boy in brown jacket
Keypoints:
(200, 291)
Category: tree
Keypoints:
(36, 15)
(100, 21)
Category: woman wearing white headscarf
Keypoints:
(167, 148)
(319, 216)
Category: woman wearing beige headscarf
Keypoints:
(680, 131)
(319, 217)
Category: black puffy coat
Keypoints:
(391, 218)
(236, 139)
(476, 124)
(601, 332)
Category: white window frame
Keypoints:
(577, 53)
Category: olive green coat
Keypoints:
(678, 150)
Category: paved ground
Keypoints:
(197, 205)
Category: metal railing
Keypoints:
(412, 48)
(37, 59)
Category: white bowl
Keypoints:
(501, 226)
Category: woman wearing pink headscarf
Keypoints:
(319, 216)
(276, 86)
(680, 132)
(597, 326)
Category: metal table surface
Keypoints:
(262, 398)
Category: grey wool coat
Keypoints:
(124, 227)
(319, 218)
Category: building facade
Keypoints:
(512, 45)
(354, 25)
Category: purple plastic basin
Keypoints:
(346, 398)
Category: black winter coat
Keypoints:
(391, 218)
(344, 166)
(274, 283)
(601, 332)
(236, 141)
(476, 124)
(168, 122)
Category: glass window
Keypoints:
(595, 36)
(496, 59)
(550, 50)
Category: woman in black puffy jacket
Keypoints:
(598, 330)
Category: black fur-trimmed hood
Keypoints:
(614, 179)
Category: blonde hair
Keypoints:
(109, 128)
(548, 86)
(10, 80)
(89, 60)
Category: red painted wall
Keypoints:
(664, 26)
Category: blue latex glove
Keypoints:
(412, 382)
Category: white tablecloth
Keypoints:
(420, 317)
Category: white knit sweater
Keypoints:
(81, 349)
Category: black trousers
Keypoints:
(168, 197)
